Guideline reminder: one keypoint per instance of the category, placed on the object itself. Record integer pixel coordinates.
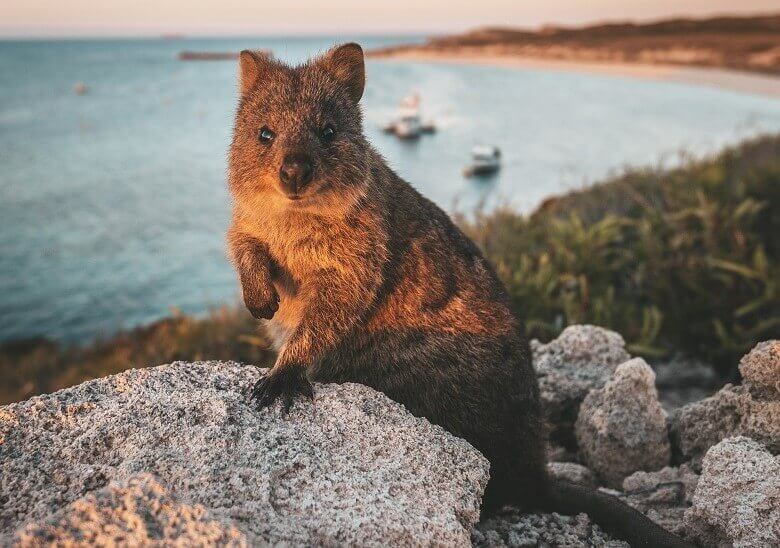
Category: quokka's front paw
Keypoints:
(262, 304)
(286, 382)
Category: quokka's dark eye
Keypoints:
(328, 133)
(265, 135)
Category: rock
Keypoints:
(581, 359)
(663, 496)
(698, 426)
(354, 467)
(732, 411)
(573, 472)
(621, 427)
(138, 512)
(737, 500)
(751, 409)
(760, 420)
(761, 368)
(514, 528)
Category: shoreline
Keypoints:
(725, 79)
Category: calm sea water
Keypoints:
(113, 204)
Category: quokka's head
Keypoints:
(298, 136)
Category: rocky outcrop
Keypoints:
(751, 409)
(737, 500)
(581, 359)
(176, 455)
(176, 451)
(621, 428)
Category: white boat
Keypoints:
(485, 160)
(408, 124)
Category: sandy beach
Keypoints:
(742, 82)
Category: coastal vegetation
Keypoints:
(683, 260)
(741, 43)
(37, 366)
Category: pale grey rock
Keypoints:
(663, 495)
(139, 512)
(621, 427)
(581, 359)
(761, 368)
(737, 500)
(353, 467)
(512, 528)
(572, 472)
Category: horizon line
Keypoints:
(33, 33)
(185, 36)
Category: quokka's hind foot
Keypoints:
(286, 383)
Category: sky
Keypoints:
(288, 17)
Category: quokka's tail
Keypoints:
(610, 513)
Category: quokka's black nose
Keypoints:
(296, 172)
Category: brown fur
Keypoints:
(367, 281)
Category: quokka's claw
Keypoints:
(286, 382)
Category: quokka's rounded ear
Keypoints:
(346, 62)
(252, 64)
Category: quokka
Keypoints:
(361, 279)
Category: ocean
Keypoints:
(113, 204)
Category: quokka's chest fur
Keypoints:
(309, 250)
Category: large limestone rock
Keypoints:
(621, 427)
(581, 359)
(752, 409)
(179, 448)
(737, 500)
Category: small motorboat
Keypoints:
(485, 160)
(80, 88)
(408, 124)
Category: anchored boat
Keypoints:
(408, 124)
(485, 160)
